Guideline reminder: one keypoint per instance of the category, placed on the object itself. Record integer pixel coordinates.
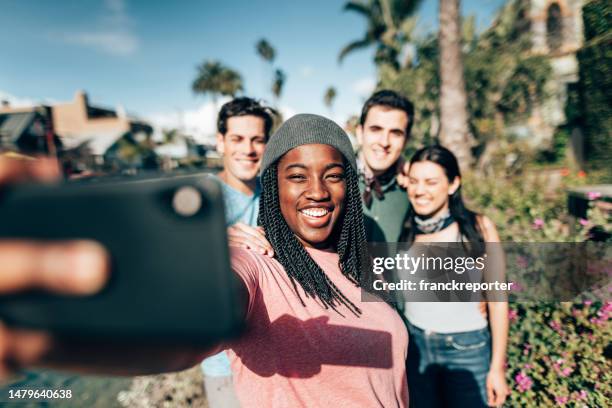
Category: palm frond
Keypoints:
(359, 7)
(353, 46)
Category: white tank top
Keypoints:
(445, 317)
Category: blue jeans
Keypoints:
(217, 365)
(448, 370)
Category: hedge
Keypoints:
(595, 64)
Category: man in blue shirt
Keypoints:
(243, 126)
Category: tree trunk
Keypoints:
(454, 131)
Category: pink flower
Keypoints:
(512, 315)
(594, 321)
(588, 302)
(593, 195)
(523, 381)
(517, 287)
(582, 396)
(556, 326)
(566, 372)
(593, 269)
(538, 223)
(584, 222)
(522, 261)
(561, 400)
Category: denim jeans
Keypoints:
(448, 370)
(218, 383)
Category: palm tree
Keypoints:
(265, 50)
(170, 136)
(216, 79)
(454, 130)
(389, 27)
(277, 84)
(268, 54)
(329, 97)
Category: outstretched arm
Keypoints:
(76, 268)
(127, 358)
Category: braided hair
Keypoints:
(302, 269)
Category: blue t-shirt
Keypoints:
(239, 207)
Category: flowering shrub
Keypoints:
(559, 354)
(526, 209)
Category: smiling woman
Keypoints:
(455, 353)
(312, 197)
(309, 338)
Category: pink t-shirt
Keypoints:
(293, 356)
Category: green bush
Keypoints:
(524, 208)
(597, 17)
(557, 151)
(559, 354)
(595, 64)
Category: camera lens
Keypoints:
(187, 201)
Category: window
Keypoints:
(554, 27)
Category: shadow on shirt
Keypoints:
(296, 348)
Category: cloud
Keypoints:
(116, 43)
(364, 86)
(199, 122)
(306, 71)
(115, 6)
(287, 112)
(22, 102)
(113, 34)
(15, 101)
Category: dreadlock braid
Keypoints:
(301, 268)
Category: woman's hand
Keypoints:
(497, 388)
(402, 175)
(76, 268)
(254, 238)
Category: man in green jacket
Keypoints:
(384, 129)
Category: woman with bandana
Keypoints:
(456, 357)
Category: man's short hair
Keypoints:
(244, 106)
(392, 100)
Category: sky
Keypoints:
(142, 55)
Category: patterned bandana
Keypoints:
(431, 225)
(374, 184)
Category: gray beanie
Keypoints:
(304, 129)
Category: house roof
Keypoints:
(97, 143)
(12, 125)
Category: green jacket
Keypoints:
(384, 220)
